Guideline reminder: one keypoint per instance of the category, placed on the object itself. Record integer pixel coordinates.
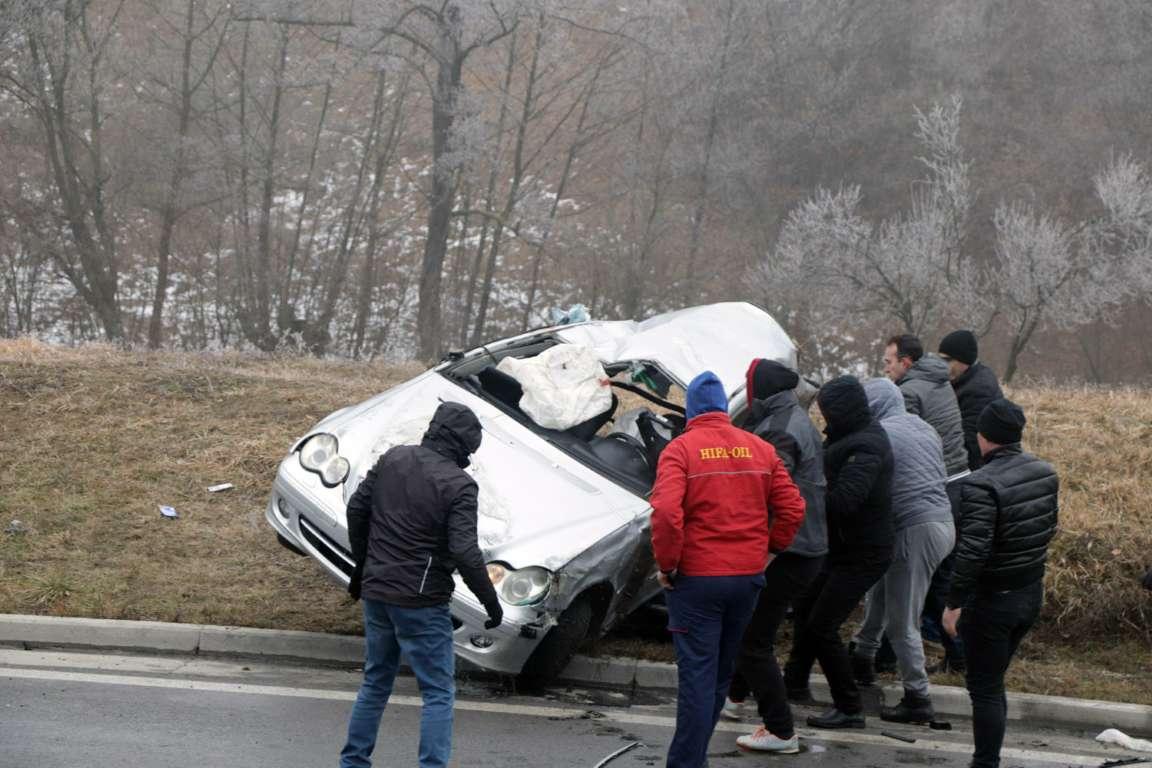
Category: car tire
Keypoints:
(560, 644)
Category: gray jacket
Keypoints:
(918, 494)
(929, 395)
(781, 421)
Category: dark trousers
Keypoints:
(833, 596)
(992, 627)
(757, 670)
(938, 593)
(706, 616)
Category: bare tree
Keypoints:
(209, 31)
(447, 36)
(60, 78)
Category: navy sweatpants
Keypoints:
(707, 616)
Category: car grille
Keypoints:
(328, 549)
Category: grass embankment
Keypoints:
(94, 439)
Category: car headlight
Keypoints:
(526, 586)
(320, 454)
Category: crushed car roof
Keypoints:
(722, 338)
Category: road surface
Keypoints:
(89, 710)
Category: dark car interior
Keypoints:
(628, 460)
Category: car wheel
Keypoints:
(561, 643)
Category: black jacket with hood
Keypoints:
(858, 467)
(975, 388)
(1008, 511)
(412, 521)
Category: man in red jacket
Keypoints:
(722, 507)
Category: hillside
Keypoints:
(95, 439)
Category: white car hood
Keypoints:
(722, 338)
(537, 506)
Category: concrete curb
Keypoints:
(949, 701)
(32, 632)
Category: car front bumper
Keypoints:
(308, 521)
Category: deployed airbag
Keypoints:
(564, 385)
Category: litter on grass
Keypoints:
(169, 512)
(221, 487)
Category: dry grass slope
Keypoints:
(94, 439)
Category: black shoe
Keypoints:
(863, 669)
(913, 709)
(834, 718)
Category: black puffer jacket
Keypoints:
(1008, 512)
(858, 468)
(928, 394)
(975, 388)
(412, 521)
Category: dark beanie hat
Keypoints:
(768, 377)
(1002, 422)
(960, 345)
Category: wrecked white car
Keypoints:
(565, 468)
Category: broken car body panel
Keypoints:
(546, 500)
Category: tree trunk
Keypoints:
(709, 143)
(450, 66)
(170, 212)
(321, 331)
(518, 169)
(260, 325)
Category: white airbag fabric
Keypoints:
(564, 385)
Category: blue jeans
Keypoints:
(424, 636)
(707, 616)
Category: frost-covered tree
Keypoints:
(1051, 273)
(829, 261)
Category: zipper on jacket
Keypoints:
(426, 569)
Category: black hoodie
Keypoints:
(412, 521)
(858, 468)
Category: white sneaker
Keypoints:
(732, 710)
(763, 741)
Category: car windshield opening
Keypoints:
(638, 409)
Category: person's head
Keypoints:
(454, 432)
(1001, 423)
(766, 378)
(844, 406)
(884, 399)
(900, 354)
(959, 349)
(705, 395)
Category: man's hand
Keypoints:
(665, 579)
(950, 620)
(495, 617)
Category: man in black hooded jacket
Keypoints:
(858, 467)
(411, 523)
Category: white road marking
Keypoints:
(623, 717)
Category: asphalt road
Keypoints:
(103, 711)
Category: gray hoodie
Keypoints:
(918, 494)
(928, 394)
